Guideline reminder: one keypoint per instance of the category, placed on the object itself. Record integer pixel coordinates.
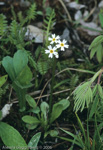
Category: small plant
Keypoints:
(20, 74)
(41, 116)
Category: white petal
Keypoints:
(50, 47)
(58, 46)
(58, 37)
(51, 55)
(57, 56)
(66, 46)
(54, 48)
(51, 42)
(47, 51)
(62, 48)
(64, 41)
(50, 39)
(53, 35)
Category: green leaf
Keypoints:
(65, 103)
(93, 51)
(94, 107)
(36, 110)
(56, 112)
(101, 18)
(82, 96)
(34, 141)
(20, 60)
(30, 120)
(25, 76)
(53, 133)
(96, 41)
(31, 101)
(3, 79)
(7, 63)
(0, 114)
(11, 137)
(31, 126)
(99, 53)
(100, 91)
(44, 109)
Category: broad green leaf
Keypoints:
(31, 126)
(8, 65)
(31, 101)
(25, 76)
(101, 18)
(99, 53)
(96, 41)
(53, 133)
(20, 60)
(0, 114)
(56, 112)
(3, 79)
(30, 120)
(65, 103)
(93, 51)
(34, 141)
(36, 110)
(94, 107)
(100, 91)
(44, 109)
(11, 137)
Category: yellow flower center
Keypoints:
(61, 44)
(53, 39)
(51, 51)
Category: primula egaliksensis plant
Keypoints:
(55, 45)
(41, 115)
(46, 114)
(20, 74)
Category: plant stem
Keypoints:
(52, 84)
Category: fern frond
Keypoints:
(42, 67)
(3, 24)
(82, 96)
(31, 13)
(73, 81)
(14, 28)
(49, 23)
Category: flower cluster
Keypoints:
(56, 44)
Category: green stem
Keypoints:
(21, 97)
(52, 84)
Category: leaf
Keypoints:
(56, 112)
(101, 19)
(100, 91)
(36, 110)
(53, 133)
(7, 63)
(31, 126)
(94, 107)
(93, 51)
(30, 101)
(44, 109)
(96, 41)
(3, 79)
(11, 137)
(82, 96)
(30, 120)
(65, 103)
(25, 76)
(0, 114)
(99, 53)
(34, 141)
(20, 60)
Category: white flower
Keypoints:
(54, 39)
(52, 51)
(62, 45)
